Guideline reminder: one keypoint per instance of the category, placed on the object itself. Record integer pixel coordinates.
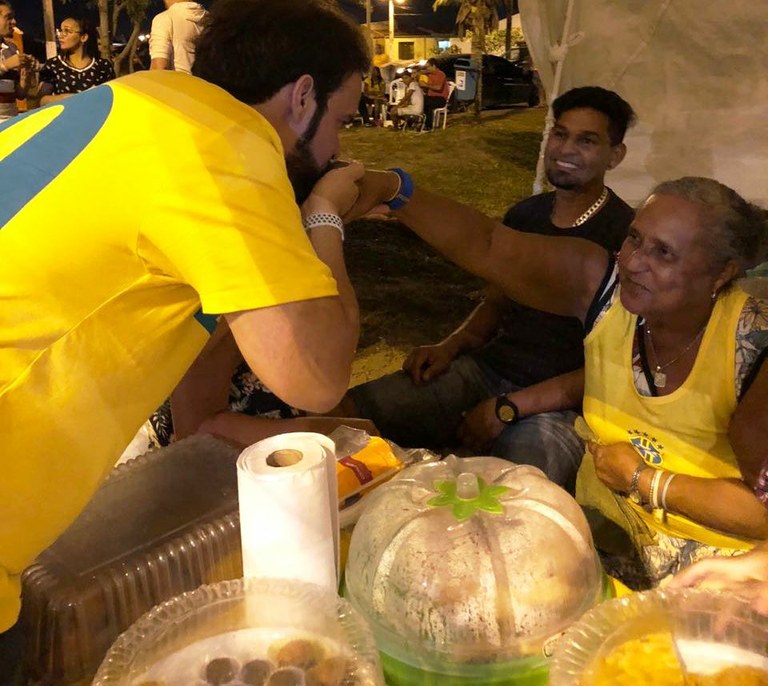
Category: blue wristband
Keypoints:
(404, 192)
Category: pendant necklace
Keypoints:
(659, 377)
(594, 208)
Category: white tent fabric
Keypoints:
(695, 71)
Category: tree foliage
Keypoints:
(477, 17)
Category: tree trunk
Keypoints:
(124, 61)
(478, 48)
(105, 40)
(509, 7)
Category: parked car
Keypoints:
(505, 83)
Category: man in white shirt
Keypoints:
(171, 41)
(412, 103)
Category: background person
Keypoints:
(76, 68)
(435, 90)
(410, 105)
(173, 34)
(672, 349)
(16, 69)
(105, 310)
(454, 390)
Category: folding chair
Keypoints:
(441, 113)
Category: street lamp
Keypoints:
(391, 50)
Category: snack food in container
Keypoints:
(469, 569)
(160, 525)
(260, 632)
(639, 639)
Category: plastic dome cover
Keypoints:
(473, 560)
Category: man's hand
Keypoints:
(336, 191)
(19, 61)
(428, 361)
(481, 426)
(615, 464)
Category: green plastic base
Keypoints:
(526, 673)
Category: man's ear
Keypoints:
(617, 155)
(302, 104)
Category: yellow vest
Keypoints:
(685, 432)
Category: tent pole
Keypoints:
(560, 52)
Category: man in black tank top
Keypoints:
(465, 389)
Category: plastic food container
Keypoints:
(469, 569)
(712, 631)
(160, 525)
(261, 632)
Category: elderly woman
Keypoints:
(674, 390)
(76, 68)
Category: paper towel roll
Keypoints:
(289, 509)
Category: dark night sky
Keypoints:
(30, 13)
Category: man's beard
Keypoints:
(561, 184)
(303, 170)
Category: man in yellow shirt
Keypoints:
(133, 215)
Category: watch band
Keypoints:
(312, 221)
(503, 401)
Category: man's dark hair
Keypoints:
(252, 48)
(619, 112)
(432, 61)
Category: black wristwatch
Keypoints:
(506, 410)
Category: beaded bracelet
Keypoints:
(312, 221)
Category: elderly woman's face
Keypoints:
(664, 267)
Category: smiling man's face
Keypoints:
(579, 150)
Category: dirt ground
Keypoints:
(408, 294)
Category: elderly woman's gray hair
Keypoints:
(736, 229)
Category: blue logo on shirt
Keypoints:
(649, 448)
(38, 161)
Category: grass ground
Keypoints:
(408, 294)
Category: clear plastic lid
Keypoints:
(261, 632)
(625, 638)
(470, 561)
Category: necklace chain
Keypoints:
(659, 377)
(593, 208)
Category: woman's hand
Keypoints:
(615, 464)
(745, 576)
(336, 191)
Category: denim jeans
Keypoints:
(11, 651)
(429, 415)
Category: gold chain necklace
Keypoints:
(594, 208)
(659, 377)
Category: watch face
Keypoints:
(507, 413)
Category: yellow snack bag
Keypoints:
(366, 468)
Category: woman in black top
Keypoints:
(76, 68)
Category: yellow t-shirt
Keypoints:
(130, 216)
(685, 432)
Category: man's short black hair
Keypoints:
(619, 112)
(252, 48)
